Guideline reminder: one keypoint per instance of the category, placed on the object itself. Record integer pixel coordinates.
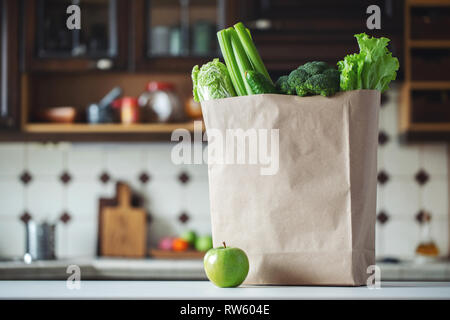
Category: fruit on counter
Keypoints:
(190, 236)
(165, 243)
(179, 244)
(226, 266)
(203, 243)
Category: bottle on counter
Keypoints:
(128, 110)
(426, 248)
(159, 103)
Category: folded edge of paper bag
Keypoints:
(313, 223)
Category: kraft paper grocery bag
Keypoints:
(313, 221)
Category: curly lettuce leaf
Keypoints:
(372, 68)
(212, 81)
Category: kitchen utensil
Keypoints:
(160, 103)
(40, 241)
(62, 114)
(101, 112)
(123, 228)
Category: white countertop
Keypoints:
(203, 290)
(156, 269)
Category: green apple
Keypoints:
(190, 236)
(203, 243)
(226, 266)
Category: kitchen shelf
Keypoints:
(107, 128)
(429, 44)
(428, 3)
(79, 132)
(423, 117)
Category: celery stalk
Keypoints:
(241, 58)
(251, 50)
(224, 39)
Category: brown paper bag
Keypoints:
(313, 222)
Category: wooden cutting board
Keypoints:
(123, 227)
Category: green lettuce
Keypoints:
(211, 81)
(372, 68)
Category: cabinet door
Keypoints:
(174, 35)
(9, 65)
(53, 44)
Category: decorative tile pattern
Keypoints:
(383, 138)
(382, 217)
(104, 178)
(144, 177)
(423, 216)
(184, 177)
(382, 177)
(65, 177)
(183, 217)
(25, 217)
(65, 217)
(422, 177)
(25, 177)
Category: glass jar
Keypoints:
(159, 103)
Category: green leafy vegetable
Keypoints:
(312, 78)
(258, 83)
(282, 85)
(372, 68)
(212, 81)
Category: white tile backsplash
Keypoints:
(11, 159)
(166, 198)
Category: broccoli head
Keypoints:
(283, 86)
(325, 84)
(315, 67)
(296, 79)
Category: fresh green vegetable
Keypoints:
(372, 68)
(224, 38)
(258, 83)
(243, 63)
(251, 50)
(296, 80)
(324, 84)
(212, 81)
(314, 67)
(283, 86)
(241, 56)
(312, 78)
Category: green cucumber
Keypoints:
(259, 83)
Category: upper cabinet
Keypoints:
(291, 32)
(173, 35)
(9, 65)
(54, 43)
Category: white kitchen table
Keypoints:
(203, 290)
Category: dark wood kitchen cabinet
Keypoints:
(290, 32)
(174, 35)
(99, 44)
(425, 99)
(9, 65)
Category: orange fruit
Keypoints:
(180, 245)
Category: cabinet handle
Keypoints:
(104, 64)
